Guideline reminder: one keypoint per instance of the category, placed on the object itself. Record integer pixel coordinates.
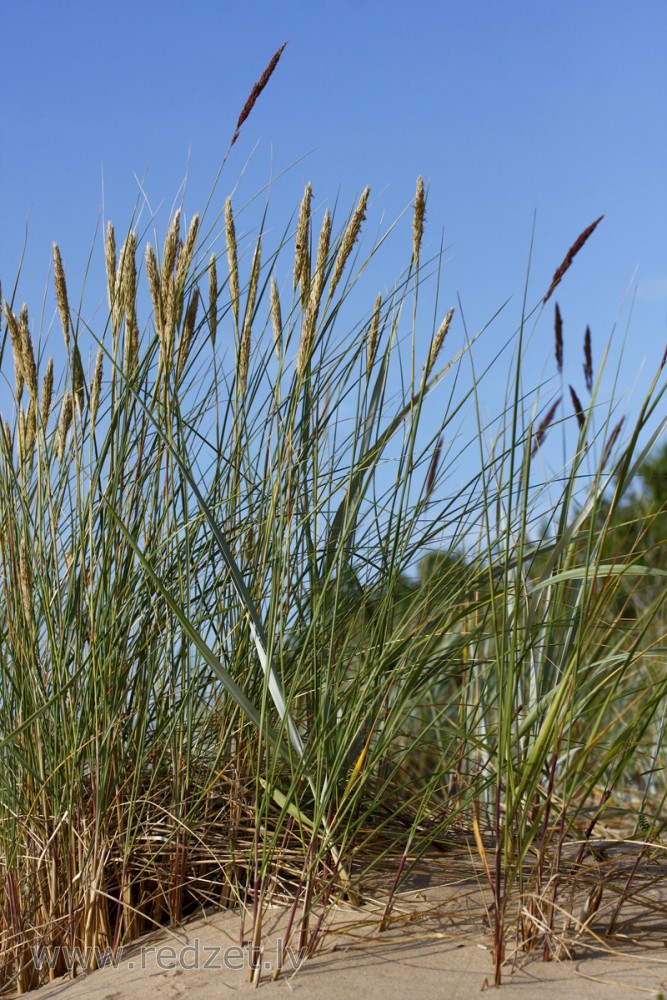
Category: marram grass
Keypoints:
(253, 644)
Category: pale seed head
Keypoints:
(110, 260)
(348, 241)
(373, 336)
(61, 293)
(232, 259)
(188, 331)
(7, 434)
(186, 252)
(154, 286)
(438, 341)
(276, 318)
(244, 347)
(315, 296)
(302, 242)
(47, 393)
(17, 349)
(66, 413)
(171, 248)
(96, 387)
(29, 366)
(129, 290)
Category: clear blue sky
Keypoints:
(508, 109)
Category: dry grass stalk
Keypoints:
(588, 360)
(569, 257)
(578, 408)
(17, 349)
(544, 425)
(373, 336)
(213, 299)
(438, 341)
(558, 325)
(232, 259)
(315, 296)
(96, 387)
(244, 347)
(302, 242)
(276, 318)
(47, 392)
(187, 335)
(348, 241)
(61, 293)
(418, 220)
(66, 413)
(256, 91)
(110, 261)
(28, 356)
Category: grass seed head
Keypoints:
(7, 434)
(47, 392)
(188, 333)
(302, 242)
(170, 249)
(232, 259)
(558, 329)
(438, 341)
(28, 353)
(129, 292)
(244, 348)
(186, 253)
(543, 426)
(348, 241)
(66, 413)
(27, 432)
(17, 349)
(613, 437)
(569, 257)
(61, 293)
(373, 336)
(213, 299)
(588, 360)
(78, 380)
(418, 220)
(154, 286)
(315, 295)
(96, 387)
(110, 262)
(276, 318)
(256, 91)
(578, 408)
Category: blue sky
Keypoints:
(510, 110)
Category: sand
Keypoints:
(437, 947)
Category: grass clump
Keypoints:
(254, 643)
